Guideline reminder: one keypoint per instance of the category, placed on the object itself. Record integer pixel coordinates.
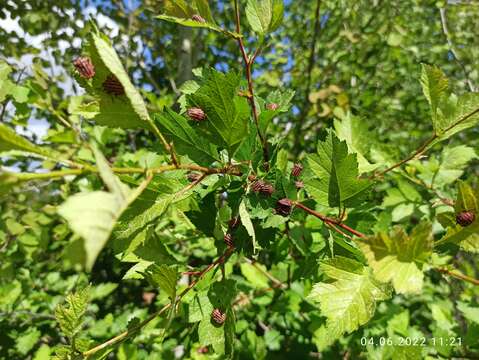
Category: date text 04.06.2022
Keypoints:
(409, 341)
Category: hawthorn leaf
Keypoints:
(10, 140)
(180, 12)
(467, 198)
(255, 277)
(277, 16)
(354, 131)
(247, 223)
(464, 114)
(220, 295)
(434, 86)
(124, 111)
(210, 334)
(333, 180)
(446, 169)
(264, 16)
(204, 10)
(163, 277)
(398, 257)
(469, 312)
(349, 299)
(227, 122)
(8, 87)
(70, 315)
(466, 237)
(282, 99)
(187, 141)
(199, 308)
(93, 215)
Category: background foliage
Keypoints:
(89, 252)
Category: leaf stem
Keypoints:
(248, 68)
(133, 330)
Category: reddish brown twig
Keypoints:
(329, 220)
(458, 275)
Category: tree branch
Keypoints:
(248, 68)
(328, 220)
(424, 147)
(231, 170)
(458, 275)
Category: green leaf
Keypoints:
(93, 215)
(125, 111)
(463, 114)
(255, 277)
(467, 198)
(179, 12)
(280, 98)
(27, 340)
(220, 295)
(448, 168)
(204, 10)
(334, 179)
(187, 141)
(20, 93)
(469, 312)
(209, 334)
(70, 315)
(247, 223)
(349, 299)
(399, 257)
(354, 131)
(163, 277)
(278, 14)
(264, 15)
(200, 308)
(466, 237)
(9, 140)
(434, 86)
(136, 218)
(227, 113)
